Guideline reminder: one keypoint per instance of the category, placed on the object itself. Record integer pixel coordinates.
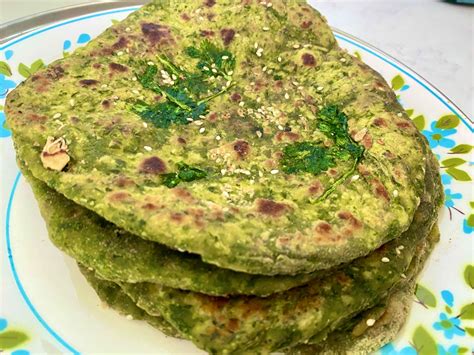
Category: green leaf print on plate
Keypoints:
(423, 342)
(469, 276)
(461, 149)
(397, 82)
(425, 296)
(5, 69)
(11, 339)
(448, 122)
(467, 312)
(27, 71)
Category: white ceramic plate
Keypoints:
(46, 305)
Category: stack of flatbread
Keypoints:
(224, 171)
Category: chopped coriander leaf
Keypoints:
(185, 173)
(315, 158)
(306, 157)
(186, 93)
(213, 61)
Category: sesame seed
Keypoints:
(205, 68)
(57, 115)
(245, 172)
(370, 322)
(223, 171)
(202, 130)
(280, 127)
(343, 60)
(259, 134)
(189, 119)
(226, 194)
(385, 259)
(218, 138)
(241, 104)
(266, 28)
(256, 45)
(287, 96)
(147, 148)
(395, 193)
(403, 276)
(279, 59)
(72, 102)
(295, 83)
(355, 178)
(136, 91)
(296, 46)
(214, 70)
(145, 124)
(128, 29)
(264, 69)
(134, 78)
(274, 171)
(259, 99)
(225, 57)
(119, 53)
(230, 72)
(320, 88)
(399, 114)
(269, 4)
(198, 123)
(129, 317)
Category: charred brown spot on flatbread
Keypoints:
(123, 181)
(209, 3)
(308, 60)
(227, 35)
(242, 148)
(152, 165)
(88, 82)
(287, 136)
(316, 189)
(271, 208)
(120, 196)
(206, 33)
(120, 44)
(156, 33)
(350, 219)
(115, 67)
(380, 190)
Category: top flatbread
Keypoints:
(236, 130)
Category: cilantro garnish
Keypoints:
(213, 61)
(185, 173)
(186, 93)
(306, 157)
(314, 158)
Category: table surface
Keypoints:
(434, 38)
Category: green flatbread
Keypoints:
(251, 324)
(237, 131)
(117, 255)
(357, 337)
(354, 337)
(112, 295)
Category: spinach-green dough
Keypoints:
(249, 323)
(235, 130)
(112, 295)
(117, 255)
